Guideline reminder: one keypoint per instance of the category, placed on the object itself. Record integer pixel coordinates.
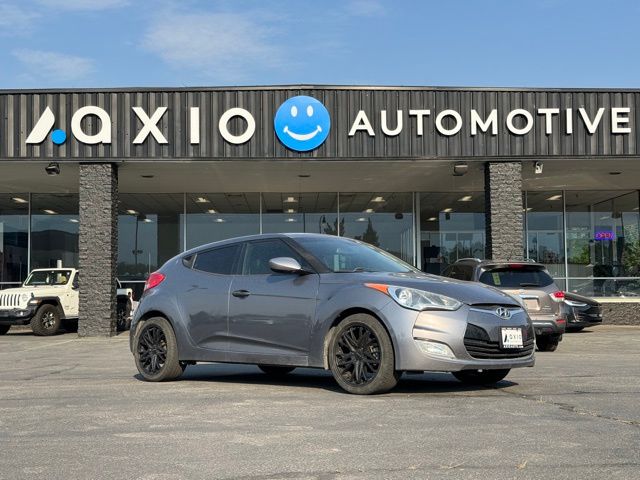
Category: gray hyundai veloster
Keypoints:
(305, 300)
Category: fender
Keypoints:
(50, 300)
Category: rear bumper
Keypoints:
(548, 325)
(17, 316)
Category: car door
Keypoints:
(271, 314)
(205, 295)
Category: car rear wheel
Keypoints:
(156, 351)
(547, 343)
(4, 329)
(361, 356)
(46, 321)
(484, 377)
(276, 370)
(123, 313)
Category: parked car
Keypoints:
(528, 281)
(581, 312)
(48, 301)
(283, 301)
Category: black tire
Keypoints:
(575, 329)
(46, 321)
(156, 351)
(486, 377)
(123, 312)
(361, 356)
(276, 370)
(547, 343)
(4, 329)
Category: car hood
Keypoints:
(37, 291)
(471, 293)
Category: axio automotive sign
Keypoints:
(303, 123)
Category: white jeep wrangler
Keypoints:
(48, 301)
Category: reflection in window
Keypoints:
(14, 243)
(149, 232)
(54, 230)
(212, 217)
(384, 220)
(305, 212)
(452, 226)
(603, 243)
(545, 230)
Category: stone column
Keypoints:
(98, 249)
(503, 210)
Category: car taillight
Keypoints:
(155, 279)
(558, 296)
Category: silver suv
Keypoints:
(531, 283)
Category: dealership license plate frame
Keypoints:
(511, 337)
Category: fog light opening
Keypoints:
(435, 348)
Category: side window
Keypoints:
(447, 271)
(76, 281)
(459, 272)
(258, 254)
(220, 260)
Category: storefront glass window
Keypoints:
(452, 226)
(150, 232)
(212, 217)
(305, 212)
(385, 220)
(14, 242)
(603, 243)
(544, 242)
(54, 230)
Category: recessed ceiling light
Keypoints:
(74, 220)
(528, 209)
(466, 198)
(19, 200)
(431, 219)
(50, 212)
(290, 210)
(361, 219)
(369, 210)
(555, 197)
(211, 210)
(378, 199)
(132, 212)
(202, 200)
(448, 210)
(290, 200)
(147, 220)
(290, 220)
(220, 220)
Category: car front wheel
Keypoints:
(548, 343)
(484, 377)
(46, 321)
(361, 356)
(156, 351)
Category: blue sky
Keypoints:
(127, 43)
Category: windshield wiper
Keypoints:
(355, 270)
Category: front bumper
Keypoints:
(17, 316)
(452, 329)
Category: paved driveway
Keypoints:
(72, 408)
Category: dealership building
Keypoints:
(117, 181)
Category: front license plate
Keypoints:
(511, 338)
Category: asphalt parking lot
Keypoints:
(72, 408)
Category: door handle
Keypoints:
(241, 293)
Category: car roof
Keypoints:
(497, 263)
(262, 236)
(52, 269)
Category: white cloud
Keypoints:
(53, 66)
(365, 8)
(14, 19)
(224, 46)
(83, 4)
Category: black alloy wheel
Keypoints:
(46, 321)
(361, 356)
(156, 351)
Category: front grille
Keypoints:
(10, 300)
(479, 344)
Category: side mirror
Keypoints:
(285, 265)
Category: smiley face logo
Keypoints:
(302, 123)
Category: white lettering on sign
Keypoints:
(548, 122)
(223, 125)
(149, 125)
(592, 126)
(385, 128)
(448, 131)
(419, 114)
(519, 112)
(491, 121)
(361, 123)
(103, 136)
(194, 125)
(617, 120)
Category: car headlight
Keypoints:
(415, 299)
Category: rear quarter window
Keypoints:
(221, 260)
(523, 277)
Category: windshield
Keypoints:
(48, 277)
(342, 255)
(520, 277)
